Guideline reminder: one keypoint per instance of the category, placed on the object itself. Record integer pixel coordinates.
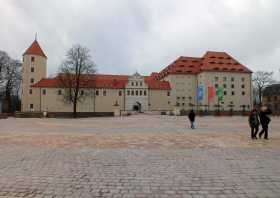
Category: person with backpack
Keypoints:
(254, 123)
(192, 118)
(264, 120)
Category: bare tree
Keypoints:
(76, 73)
(4, 61)
(10, 79)
(260, 80)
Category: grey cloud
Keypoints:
(125, 36)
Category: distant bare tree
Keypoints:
(261, 79)
(4, 61)
(10, 78)
(75, 73)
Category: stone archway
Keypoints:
(137, 107)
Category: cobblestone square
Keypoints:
(137, 156)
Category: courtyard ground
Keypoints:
(137, 156)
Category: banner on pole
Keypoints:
(211, 93)
(200, 93)
(219, 93)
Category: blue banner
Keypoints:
(200, 93)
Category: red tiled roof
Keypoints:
(221, 61)
(156, 84)
(35, 49)
(101, 81)
(211, 61)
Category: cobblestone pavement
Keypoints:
(137, 156)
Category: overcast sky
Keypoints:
(125, 36)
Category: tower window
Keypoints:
(44, 92)
(32, 58)
(32, 80)
(32, 69)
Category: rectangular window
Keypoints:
(132, 92)
(243, 93)
(32, 80)
(32, 58)
(242, 86)
(32, 69)
(120, 93)
(141, 84)
(183, 104)
(168, 102)
(178, 97)
(145, 93)
(136, 92)
(225, 86)
(216, 86)
(30, 91)
(82, 92)
(225, 93)
(128, 92)
(44, 92)
(136, 84)
(232, 86)
(168, 93)
(104, 93)
(31, 106)
(59, 92)
(132, 83)
(225, 79)
(141, 92)
(232, 93)
(216, 79)
(97, 92)
(232, 79)
(242, 79)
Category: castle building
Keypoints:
(176, 86)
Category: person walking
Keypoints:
(192, 118)
(254, 123)
(264, 120)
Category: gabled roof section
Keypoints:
(221, 61)
(183, 65)
(35, 49)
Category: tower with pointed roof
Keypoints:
(34, 68)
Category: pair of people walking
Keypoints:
(255, 119)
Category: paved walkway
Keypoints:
(138, 156)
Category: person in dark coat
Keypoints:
(264, 120)
(192, 118)
(254, 123)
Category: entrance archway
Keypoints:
(137, 107)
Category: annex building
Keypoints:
(176, 86)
